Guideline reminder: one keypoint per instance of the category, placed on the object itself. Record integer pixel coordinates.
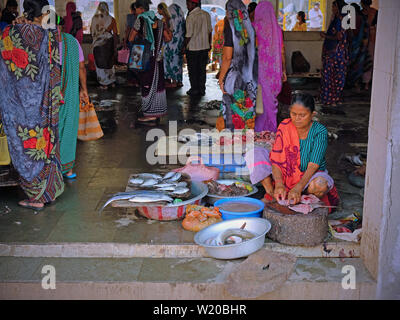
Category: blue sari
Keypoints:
(29, 107)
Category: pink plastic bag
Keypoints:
(199, 172)
(123, 56)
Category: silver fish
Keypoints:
(167, 188)
(169, 175)
(180, 190)
(181, 184)
(115, 198)
(221, 238)
(176, 177)
(163, 185)
(150, 198)
(149, 176)
(136, 181)
(149, 183)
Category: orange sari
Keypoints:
(286, 155)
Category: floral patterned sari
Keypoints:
(238, 104)
(29, 106)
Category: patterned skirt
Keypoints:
(333, 77)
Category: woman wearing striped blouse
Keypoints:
(296, 163)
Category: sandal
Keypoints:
(147, 119)
(71, 176)
(28, 205)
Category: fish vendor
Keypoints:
(296, 163)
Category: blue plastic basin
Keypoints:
(226, 215)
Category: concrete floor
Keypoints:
(104, 166)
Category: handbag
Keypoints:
(123, 55)
(89, 126)
(140, 55)
(5, 159)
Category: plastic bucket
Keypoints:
(227, 215)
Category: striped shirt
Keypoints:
(313, 148)
(198, 29)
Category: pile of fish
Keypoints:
(233, 190)
(307, 204)
(153, 188)
(169, 184)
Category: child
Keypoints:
(301, 24)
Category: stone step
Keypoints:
(332, 249)
(170, 278)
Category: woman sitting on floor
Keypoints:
(297, 159)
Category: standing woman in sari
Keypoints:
(147, 26)
(335, 58)
(173, 57)
(73, 71)
(238, 74)
(271, 64)
(73, 22)
(103, 29)
(29, 105)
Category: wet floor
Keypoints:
(104, 166)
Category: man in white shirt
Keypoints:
(315, 16)
(197, 45)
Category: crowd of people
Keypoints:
(45, 68)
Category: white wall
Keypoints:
(380, 244)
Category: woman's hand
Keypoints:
(83, 95)
(221, 86)
(294, 195)
(284, 76)
(280, 192)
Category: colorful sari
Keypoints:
(238, 104)
(286, 155)
(218, 41)
(270, 43)
(173, 57)
(69, 111)
(334, 64)
(29, 106)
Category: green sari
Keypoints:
(69, 111)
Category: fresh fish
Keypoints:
(180, 190)
(167, 188)
(136, 181)
(150, 198)
(149, 176)
(129, 194)
(175, 177)
(149, 183)
(169, 175)
(163, 185)
(115, 198)
(181, 184)
(221, 238)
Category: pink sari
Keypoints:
(70, 9)
(270, 42)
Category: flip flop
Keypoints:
(71, 176)
(28, 206)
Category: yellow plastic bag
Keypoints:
(4, 154)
